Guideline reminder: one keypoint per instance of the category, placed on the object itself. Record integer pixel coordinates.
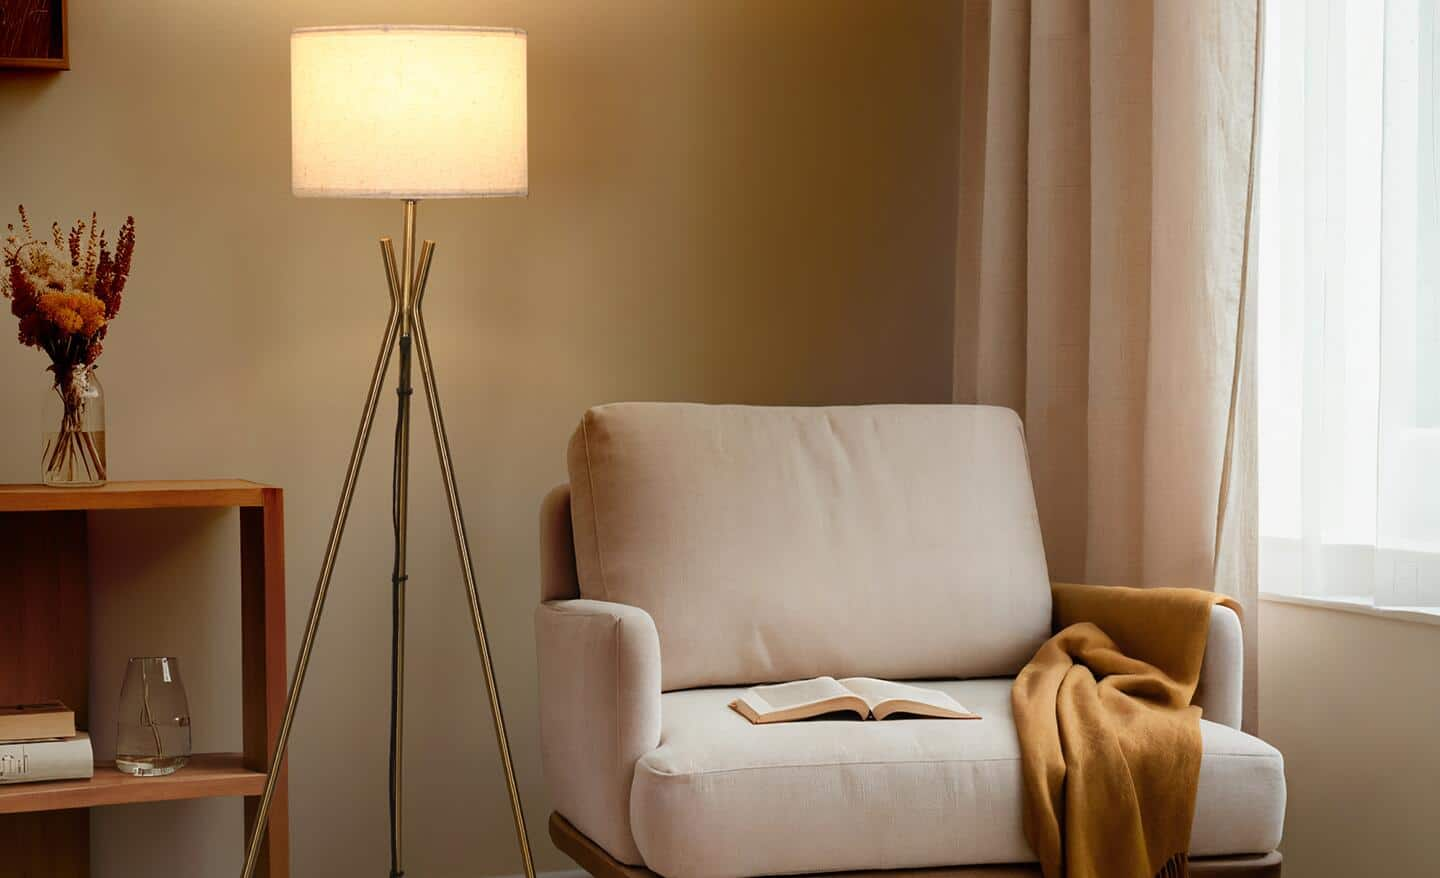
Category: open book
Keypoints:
(866, 697)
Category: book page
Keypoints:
(802, 699)
(781, 696)
(886, 697)
(36, 722)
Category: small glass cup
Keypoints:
(153, 738)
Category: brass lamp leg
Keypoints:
(322, 586)
(467, 566)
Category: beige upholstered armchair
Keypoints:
(701, 549)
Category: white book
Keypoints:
(30, 761)
(866, 697)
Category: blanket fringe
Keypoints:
(1177, 866)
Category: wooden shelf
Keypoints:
(44, 631)
(34, 63)
(133, 495)
(208, 775)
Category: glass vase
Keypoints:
(74, 419)
(153, 738)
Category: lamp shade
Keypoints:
(408, 112)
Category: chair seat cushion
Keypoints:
(722, 797)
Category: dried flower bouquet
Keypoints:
(65, 290)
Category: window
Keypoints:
(1348, 289)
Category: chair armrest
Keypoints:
(1222, 674)
(599, 666)
(1219, 685)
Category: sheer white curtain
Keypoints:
(1349, 302)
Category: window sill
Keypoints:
(1360, 605)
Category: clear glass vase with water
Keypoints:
(153, 738)
(73, 455)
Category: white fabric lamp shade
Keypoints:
(408, 112)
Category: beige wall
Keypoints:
(1354, 704)
(730, 201)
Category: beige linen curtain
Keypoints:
(1102, 276)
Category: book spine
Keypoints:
(46, 760)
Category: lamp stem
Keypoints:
(400, 513)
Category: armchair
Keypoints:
(701, 549)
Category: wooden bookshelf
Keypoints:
(45, 590)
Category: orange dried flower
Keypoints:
(65, 291)
(73, 311)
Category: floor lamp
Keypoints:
(406, 113)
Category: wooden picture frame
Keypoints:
(34, 34)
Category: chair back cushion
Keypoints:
(895, 541)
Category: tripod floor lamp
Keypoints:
(406, 113)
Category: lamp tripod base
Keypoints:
(404, 329)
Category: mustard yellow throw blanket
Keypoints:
(1109, 740)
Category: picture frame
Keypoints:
(34, 35)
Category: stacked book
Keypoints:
(39, 742)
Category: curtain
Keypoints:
(1102, 268)
(1349, 287)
